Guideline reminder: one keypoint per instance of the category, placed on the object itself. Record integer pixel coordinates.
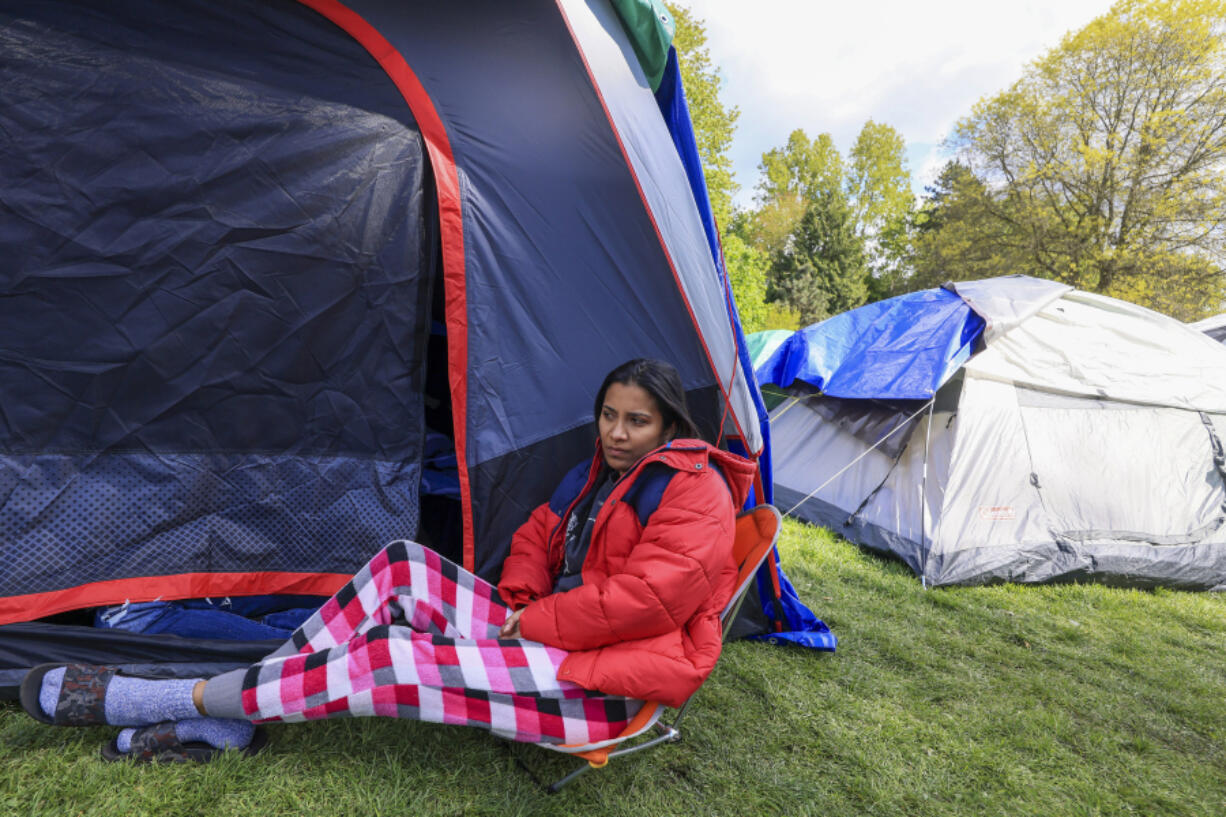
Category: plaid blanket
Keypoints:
(414, 635)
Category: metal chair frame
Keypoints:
(598, 756)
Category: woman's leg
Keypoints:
(444, 665)
(403, 580)
(405, 583)
(507, 686)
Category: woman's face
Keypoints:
(630, 425)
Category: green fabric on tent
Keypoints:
(651, 28)
(762, 345)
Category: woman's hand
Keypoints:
(510, 628)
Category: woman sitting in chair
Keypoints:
(611, 595)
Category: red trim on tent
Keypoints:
(451, 223)
(151, 588)
(655, 226)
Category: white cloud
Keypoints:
(829, 67)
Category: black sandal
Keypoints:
(160, 743)
(82, 695)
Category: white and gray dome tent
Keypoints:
(1011, 429)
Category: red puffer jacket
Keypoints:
(658, 573)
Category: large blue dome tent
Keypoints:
(258, 255)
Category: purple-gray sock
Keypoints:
(132, 701)
(220, 733)
(49, 692)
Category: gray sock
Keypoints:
(131, 701)
(220, 733)
(49, 692)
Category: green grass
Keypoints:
(1006, 700)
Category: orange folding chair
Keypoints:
(757, 530)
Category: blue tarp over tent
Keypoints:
(902, 348)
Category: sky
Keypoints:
(828, 67)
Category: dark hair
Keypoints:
(663, 383)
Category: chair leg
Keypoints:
(668, 734)
(555, 787)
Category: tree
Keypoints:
(878, 182)
(873, 183)
(790, 178)
(878, 186)
(802, 168)
(747, 275)
(770, 227)
(1103, 166)
(748, 269)
(821, 271)
(956, 234)
(714, 124)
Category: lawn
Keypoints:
(1005, 700)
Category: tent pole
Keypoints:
(924, 495)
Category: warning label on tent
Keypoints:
(996, 513)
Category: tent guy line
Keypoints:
(860, 457)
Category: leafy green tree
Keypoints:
(805, 174)
(957, 234)
(769, 228)
(821, 271)
(790, 177)
(873, 184)
(878, 182)
(780, 316)
(804, 168)
(878, 185)
(1103, 166)
(747, 270)
(892, 256)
